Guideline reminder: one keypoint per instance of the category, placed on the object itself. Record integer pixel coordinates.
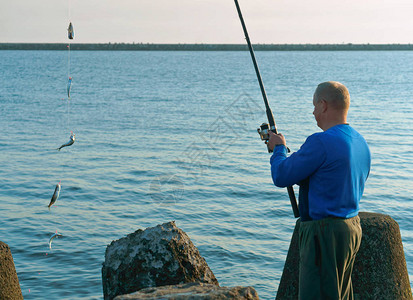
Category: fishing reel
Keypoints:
(263, 131)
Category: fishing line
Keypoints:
(67, 125)
(68, 66)
(68, 6)
(64, 162)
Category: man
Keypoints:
(331, 168)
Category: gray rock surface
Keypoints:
(157, 256)
(193, 291)
(9, 282)
(380, 270)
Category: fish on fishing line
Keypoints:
(70, 142)
(70, 32)
(69, 86)
(55, 235)
(55, 195)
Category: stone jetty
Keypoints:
(158, 256)
(380, 270)
(9, 282)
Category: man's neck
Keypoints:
(331, 123)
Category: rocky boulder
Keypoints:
(9, 282)
(193, 291)
(157, 256)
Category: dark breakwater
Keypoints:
(205, 47)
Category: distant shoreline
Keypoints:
(205, 47)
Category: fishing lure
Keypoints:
(52, 237)
(70, 32)
(70, 142)
(55, 194)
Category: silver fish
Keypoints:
(70, 142)
(69, 85)
(52, 237)
(55, 195)
(70, 31)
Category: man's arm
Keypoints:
(300, 165)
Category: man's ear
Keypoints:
(324, 105)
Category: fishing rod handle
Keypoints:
(293, 201)
(291, 193)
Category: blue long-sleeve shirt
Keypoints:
(331, 168)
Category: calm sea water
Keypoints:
(164, 136)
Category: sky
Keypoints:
(207, 21)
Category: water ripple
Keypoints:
(159, 142)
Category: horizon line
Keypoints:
(184, 43)
(204, 47)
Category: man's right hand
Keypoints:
(275, 139)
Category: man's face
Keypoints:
(318, 108)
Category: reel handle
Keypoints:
(263, 131)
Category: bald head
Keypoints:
(334, 93)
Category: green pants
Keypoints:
(328, 248)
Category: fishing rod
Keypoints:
(271, 126)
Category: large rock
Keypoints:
(157, 256)
(380, 270)
(9, 282)
(193, 291)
